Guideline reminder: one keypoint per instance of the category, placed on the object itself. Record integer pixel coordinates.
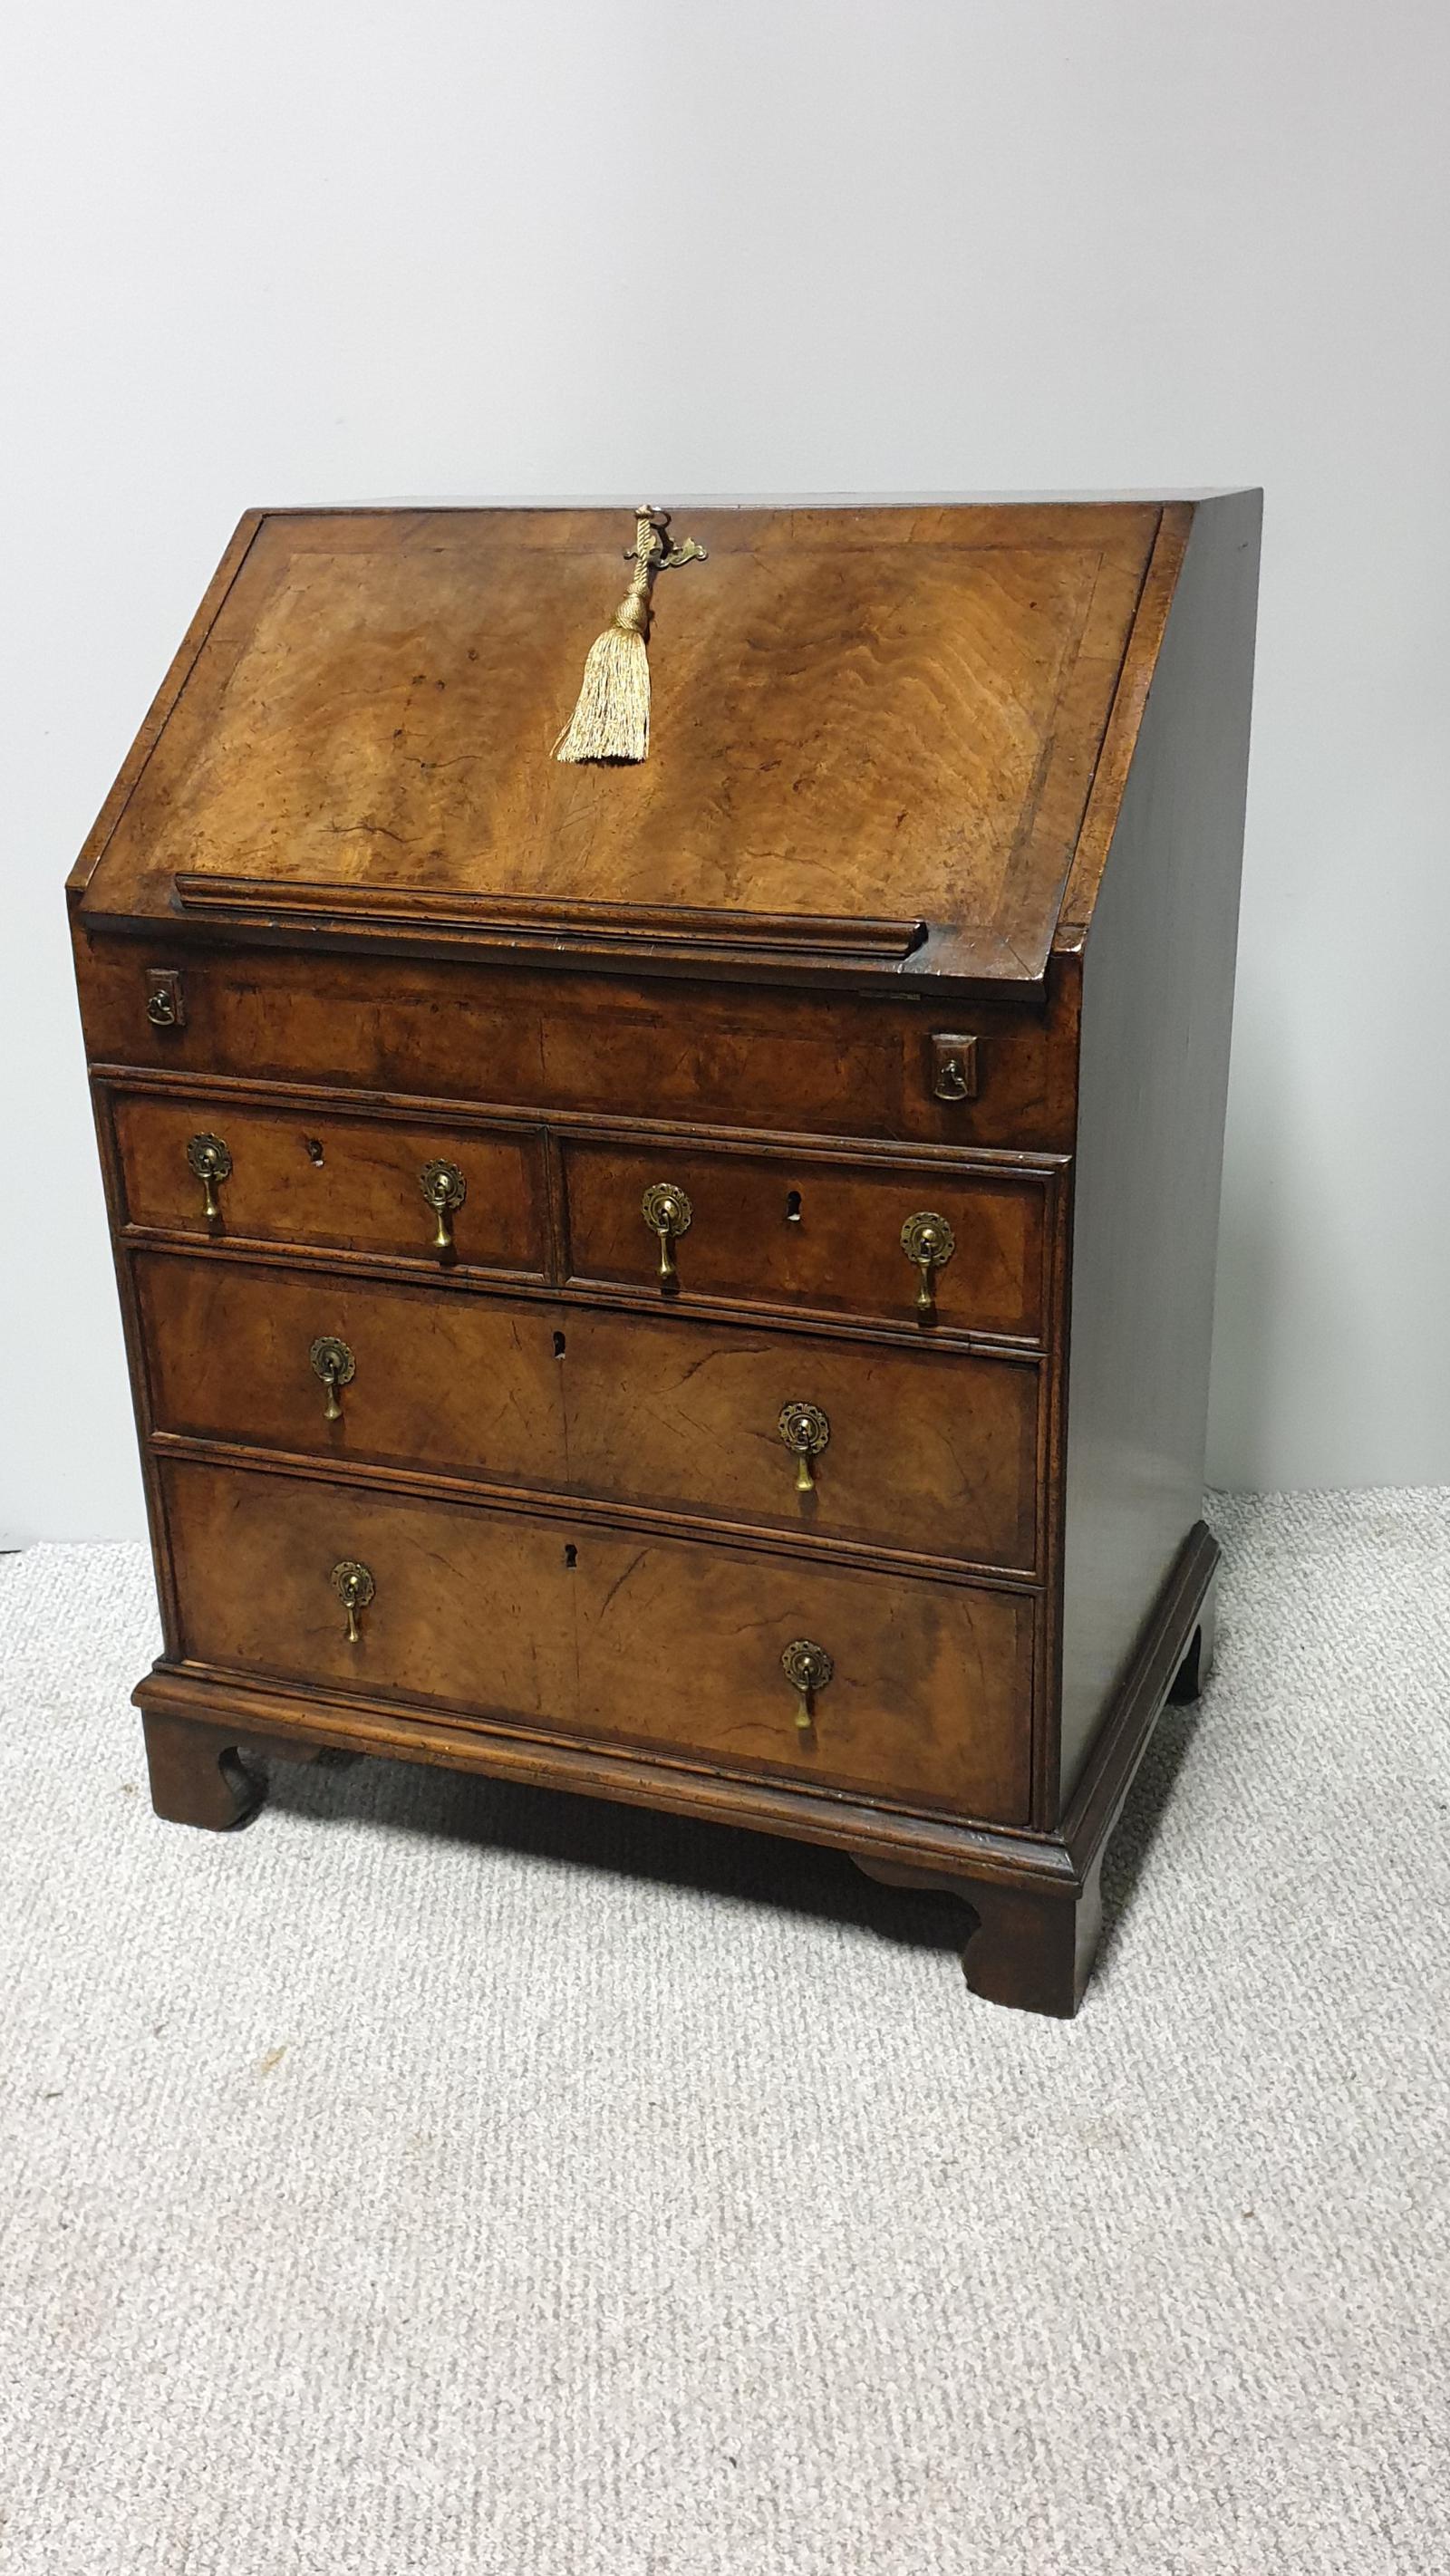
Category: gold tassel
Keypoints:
(611, 719)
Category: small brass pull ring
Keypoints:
(444, 1188)
(667, 1212)
(354, 1586)
(927, 1240)
(807, 1668)
(333, 1362)
(211, 1163)
(806, 1431)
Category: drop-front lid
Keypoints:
(877, 737)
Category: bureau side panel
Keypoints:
(1157, 966)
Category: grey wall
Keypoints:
(326, 252)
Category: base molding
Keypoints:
(1035, 1897)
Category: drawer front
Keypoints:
(650, 1047)
(933, 1453)
(796, 1233)
(426, 1378)
(347, 1183)
(926, 1452)
(469, 1609)
(929, 1700)
(664, 1644)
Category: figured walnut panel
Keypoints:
(667, 1642)
(931, 1455)
(468, 1609)
(682, 1645)
(518, 1037)
(453, 1385)
(856, 712)
(926, 1453)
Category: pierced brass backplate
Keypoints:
(354, 1586)
(807, 1668)
(444, 1188)
(211, 1163)
(335, 1365)
(927, 1240)
(806, 1431)
(667, 1212)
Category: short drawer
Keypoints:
(801, 1233)
(350, 1183)
(923, 1692)
(930, 1453)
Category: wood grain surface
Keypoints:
(925, 783)
(723, 1055)
(352, 1182)
(641, 1640)
(855, 713)
(929, 1454)
(824, 1236)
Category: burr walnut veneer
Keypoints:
(690, 1281)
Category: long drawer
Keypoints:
(924, 1452)
(921, 1693)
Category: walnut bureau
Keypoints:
(687, 1279)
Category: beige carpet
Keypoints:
(444, 2178)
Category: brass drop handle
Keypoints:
(335, 1365)
(161, 1007)
(667, 1213)
(928, 1240)
(211, 1163)
(806, 1431)
(444, 1188)
(807, 1668)
(354, 1586)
